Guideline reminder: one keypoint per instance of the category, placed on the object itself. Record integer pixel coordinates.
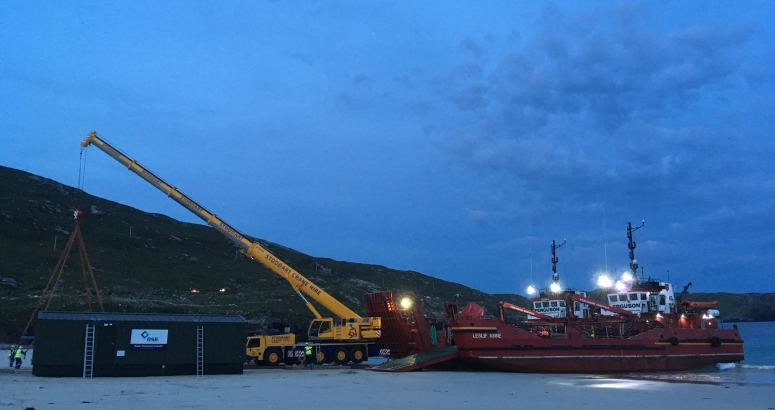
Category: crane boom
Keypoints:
(251, 248)
(507, 305)
(601, 305)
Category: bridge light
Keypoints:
(406, 303)
(604, 281)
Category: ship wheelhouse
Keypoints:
(650, 297)
(555, 305)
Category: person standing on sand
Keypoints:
(18, 356)
(308, 354)
(11, 355)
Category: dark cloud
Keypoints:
(472, 47)
(581, 75)
(361, 79)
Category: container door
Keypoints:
(105, 350)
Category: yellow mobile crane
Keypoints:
(344, 339)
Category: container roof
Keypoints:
(139, 317)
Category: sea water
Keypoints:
(759, 349)
(757, 368)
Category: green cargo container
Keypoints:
(87, 344)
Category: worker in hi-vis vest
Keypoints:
(11, 355)
(18, 356)
(308, 354)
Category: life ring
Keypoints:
(674, 341)
(715, 341)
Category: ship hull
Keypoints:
(497, 346)
(587, 362)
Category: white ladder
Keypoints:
(200, 351)
(88, 351)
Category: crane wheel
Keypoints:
(341, 355)
(322, 357)
(273, 357)
(357, 354)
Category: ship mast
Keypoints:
(631, 245)
(555, 259)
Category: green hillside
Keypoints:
(150, 263)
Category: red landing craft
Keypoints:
(624, 342)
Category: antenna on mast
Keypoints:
(555, 259)
(531, 259)
(631, 244)
(605, 243)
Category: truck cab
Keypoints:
(268, 350)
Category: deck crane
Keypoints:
(349, 327)
(502, 306)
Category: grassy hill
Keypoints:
(147, 262)
(150, 263)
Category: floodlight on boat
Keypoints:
(531, 290)
(626, 277)
(555, 287)
(406, 303)
(620, 286)
(710, 314)
(604, 281)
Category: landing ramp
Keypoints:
(419, 360)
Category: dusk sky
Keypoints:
(452, 138)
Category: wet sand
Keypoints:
(341, 388)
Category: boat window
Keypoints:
(562, 303)
(633, 296)
(623, 298)
(536, 305)
(643, 296)
(554, 303)
(546, 304)
(662, 300)
(611, 298)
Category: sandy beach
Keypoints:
(337, 388)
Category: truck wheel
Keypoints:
(342, 355)
(357, 354)
(272, 357)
